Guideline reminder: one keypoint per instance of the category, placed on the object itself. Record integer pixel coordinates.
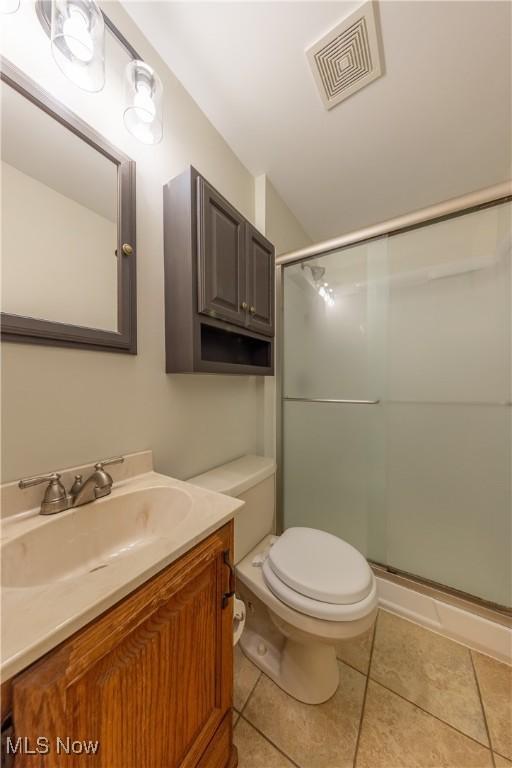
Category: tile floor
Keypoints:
(408, 698)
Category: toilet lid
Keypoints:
(320, 566)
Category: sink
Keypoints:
(59, 572)
(92, 537)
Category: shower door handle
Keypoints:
(331, 400)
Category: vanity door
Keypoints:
(150, 680)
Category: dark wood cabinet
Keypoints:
(219, 284)
(259, 281)
(150, 679)
(221, 274)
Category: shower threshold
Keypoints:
(500, 614)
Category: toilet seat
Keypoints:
(317, 609)
(319, 575)
(320, 566)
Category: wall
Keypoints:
(274, 218)
(62, 407)
(29, 286)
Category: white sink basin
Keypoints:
(91, 537)
(61, 571)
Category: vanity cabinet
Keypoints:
(219, 283)
(150, 679)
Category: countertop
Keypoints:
(38, 617)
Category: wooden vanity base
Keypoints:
(151, 679)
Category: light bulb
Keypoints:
(9, 6)
(143, 99)
(77, 35)
(144, 104)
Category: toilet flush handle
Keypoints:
(227, 595)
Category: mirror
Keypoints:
(68, 226)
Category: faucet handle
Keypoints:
(27, 482)
(107, 462)
(55, 498)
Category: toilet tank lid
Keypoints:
(237, 476)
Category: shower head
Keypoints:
(316, 271)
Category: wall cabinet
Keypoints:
(221, 270)
(219, 283)
(150, 679)
(260, 281)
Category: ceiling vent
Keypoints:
(347, 58)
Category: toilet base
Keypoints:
(308, 672)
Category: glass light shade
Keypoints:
(143, 100)
(9, 6)
(78, 42)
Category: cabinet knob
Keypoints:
(127, 249)
(244, 305)
(252, 310)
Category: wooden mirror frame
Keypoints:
(37, 331)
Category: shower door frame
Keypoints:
(459, 206)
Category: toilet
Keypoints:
(304, 590)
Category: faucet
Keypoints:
(57, 499)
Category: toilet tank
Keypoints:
(251, 479)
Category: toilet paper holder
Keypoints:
(238, 619)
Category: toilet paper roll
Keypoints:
(238, 619)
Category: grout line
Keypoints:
(494, 753)
(250, 692)
(482, 707)
(269, 741)
(347, 664)
(426, 712)
(365, 692)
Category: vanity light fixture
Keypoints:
(143, 97)
(77, 32)
(9, 6)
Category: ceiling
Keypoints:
(435, 126)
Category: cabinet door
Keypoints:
(260, 281)
(221, 264)
(151, 679)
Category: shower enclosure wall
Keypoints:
(396, 394)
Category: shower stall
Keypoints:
(395, 395)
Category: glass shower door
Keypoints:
(334, 321)
(447, 409)
(397, 418)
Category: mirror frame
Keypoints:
(32, 330)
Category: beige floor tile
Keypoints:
(495, 681)
(356, 651)
(254, 751)
(396, 734)
(433, 672)
(322, 736)
(245, 678)
(501, 762)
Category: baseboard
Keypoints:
(462, 625)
